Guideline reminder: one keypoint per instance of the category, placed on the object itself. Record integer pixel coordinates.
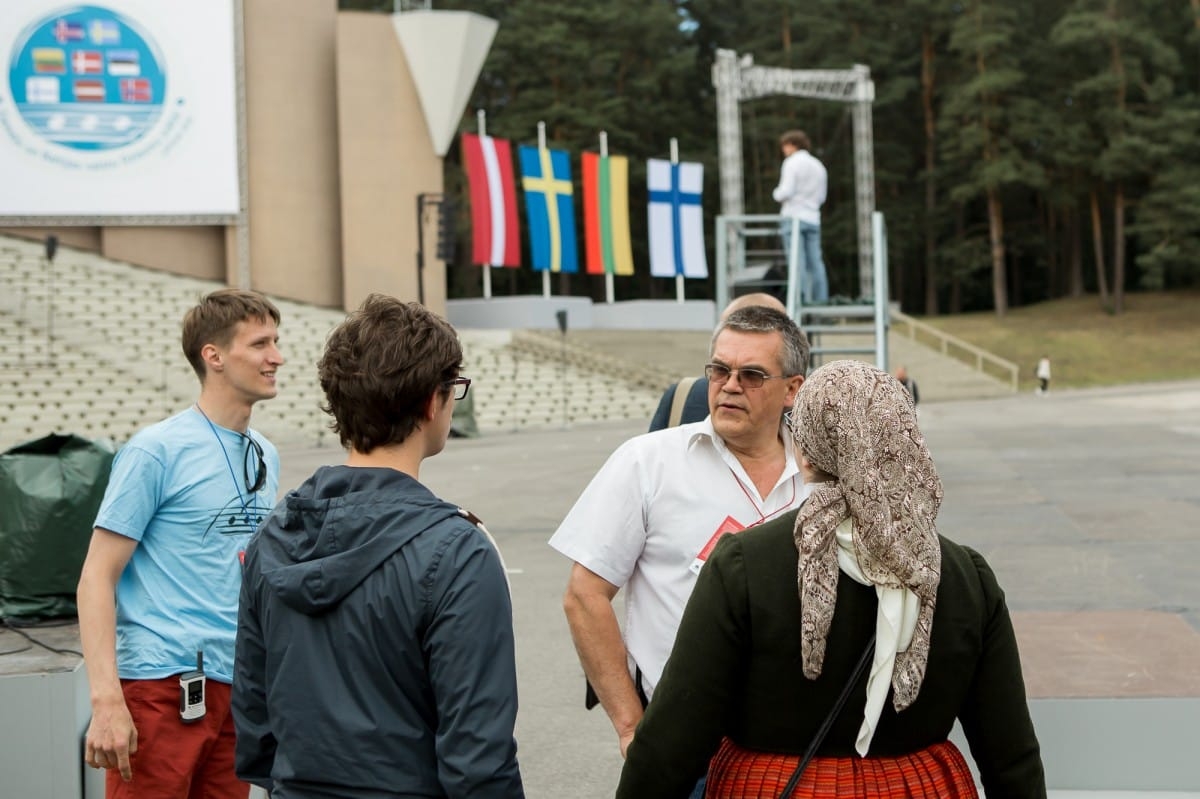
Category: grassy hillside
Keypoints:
(1156, 338)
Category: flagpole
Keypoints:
(541, 147)
(608, 277)
(674, 161)
(481, 121)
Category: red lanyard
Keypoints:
(761, 517)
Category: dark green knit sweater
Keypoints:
(735, 671)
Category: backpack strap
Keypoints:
(682, 389)
(475, 520)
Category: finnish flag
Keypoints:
(676, 219)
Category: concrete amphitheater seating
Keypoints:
(92, 348)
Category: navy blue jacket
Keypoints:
(375, 649)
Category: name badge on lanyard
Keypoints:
(727, 527)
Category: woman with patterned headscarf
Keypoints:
(784, 613)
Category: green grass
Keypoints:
(1156, 338)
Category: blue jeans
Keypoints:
(815, 283)
(698, 792)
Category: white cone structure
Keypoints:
(445, 51)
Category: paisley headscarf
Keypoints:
(858, 424)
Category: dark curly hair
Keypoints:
(381, 366)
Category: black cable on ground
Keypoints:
(16, 627)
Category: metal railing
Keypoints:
(979, 359)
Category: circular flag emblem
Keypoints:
(88, 79)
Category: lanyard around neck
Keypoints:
(229, 463)
(762, 517)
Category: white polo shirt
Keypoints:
(650, 511)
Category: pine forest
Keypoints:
(1024, 149)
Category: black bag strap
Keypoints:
(826, 725)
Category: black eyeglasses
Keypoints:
(260, 469)
(460, 385)
(718, 373)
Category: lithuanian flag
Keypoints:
(49, 59)
(606, 214)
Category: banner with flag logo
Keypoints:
(676, 219)
(121, 109)
(606, 214)
(549, 208)
(493, 191)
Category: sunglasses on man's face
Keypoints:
(718, 374)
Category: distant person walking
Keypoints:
(801, 193)
(909, 384)
(1043, 374)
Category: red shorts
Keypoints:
(176, 760)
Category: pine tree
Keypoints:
(985, 114)
(1125, 80)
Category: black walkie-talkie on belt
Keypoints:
(191, 692)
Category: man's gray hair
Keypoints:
(761, 319)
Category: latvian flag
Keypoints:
(493, 201)
(89, 91)
(606, 214)
(676, 219)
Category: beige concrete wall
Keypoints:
(195, 251)
(192, 251)
(81, 238)
(292, 138)
(387, 159)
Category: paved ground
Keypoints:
(1085, 502)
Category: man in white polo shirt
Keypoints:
(653, 512)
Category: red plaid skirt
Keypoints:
(938, 772)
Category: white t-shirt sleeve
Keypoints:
(605, 531)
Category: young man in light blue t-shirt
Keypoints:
(158, 593)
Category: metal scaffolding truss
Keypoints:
(738, 79)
